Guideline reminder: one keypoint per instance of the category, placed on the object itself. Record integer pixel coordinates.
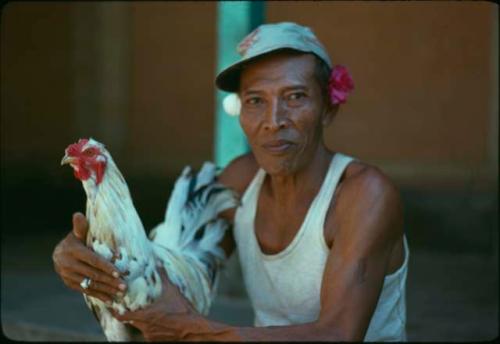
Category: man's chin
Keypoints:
(282, 165)
(279, 166)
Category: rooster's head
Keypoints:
(88, 159)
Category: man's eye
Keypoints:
(254, 101)
(295, 96)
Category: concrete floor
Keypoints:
(450, 297)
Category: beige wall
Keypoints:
(423, 108)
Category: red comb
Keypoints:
(76, 148)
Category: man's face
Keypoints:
(282, 111)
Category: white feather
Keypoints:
(206, 175)
(176, 202)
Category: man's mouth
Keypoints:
(277, 146)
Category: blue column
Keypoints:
(235, 20)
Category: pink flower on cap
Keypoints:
(340, 85)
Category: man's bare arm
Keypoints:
(370, 224)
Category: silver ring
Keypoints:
(85, 284)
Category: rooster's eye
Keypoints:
(89, 152)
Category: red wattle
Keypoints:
(99, 168)
(82, 172)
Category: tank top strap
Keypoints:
(322, 202)
(254, 186)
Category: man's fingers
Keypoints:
(96, 286)
(102, 264)
(75, 284)
(102, 277)
(91, 258)
(100, 281)
(103, 297)
(129, 317)
(80, 226)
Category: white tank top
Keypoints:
(284, 288)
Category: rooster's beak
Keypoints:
(67, 160)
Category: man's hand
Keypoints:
(170, 317)
(74, 261)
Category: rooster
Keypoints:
(185, 243)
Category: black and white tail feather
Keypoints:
(191, 230)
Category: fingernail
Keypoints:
(122, 286)
(108, 303)
(116, 274)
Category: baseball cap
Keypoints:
(265, 39)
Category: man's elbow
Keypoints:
(327, 331)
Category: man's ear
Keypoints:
(329, 114)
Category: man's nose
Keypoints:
(276, 116)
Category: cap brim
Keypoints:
(229, 78)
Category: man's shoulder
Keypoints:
(367, 180)
(367, 192)
(239, 172)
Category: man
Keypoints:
(319, 234)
